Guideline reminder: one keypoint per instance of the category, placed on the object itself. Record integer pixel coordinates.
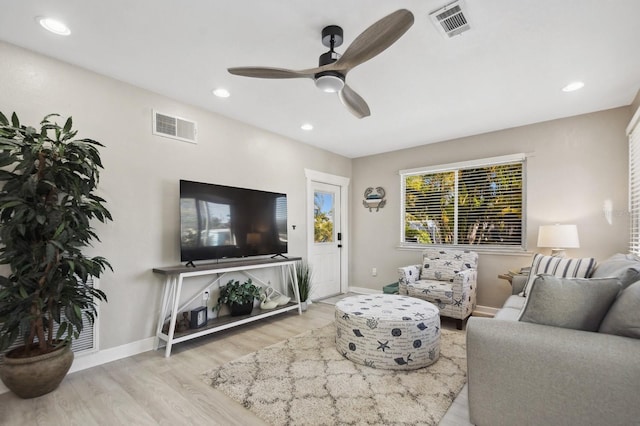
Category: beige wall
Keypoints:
(574, 166)
(140, 180)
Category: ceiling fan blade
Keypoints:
(354, 102)
(266, 72)
(375, 39)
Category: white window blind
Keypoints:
(634, 183)
(468, 204)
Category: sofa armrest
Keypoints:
(523, 373)
(518, 282)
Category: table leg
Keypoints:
(294, 279)
(168, 289)
(174, 317)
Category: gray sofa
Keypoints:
(525, 373)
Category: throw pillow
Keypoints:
(564, 267)
(577, 303)
(623, 318)
(440, 269)
(625, 267)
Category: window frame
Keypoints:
(452, 167)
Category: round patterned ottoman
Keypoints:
(388, 331)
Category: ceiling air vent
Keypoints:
(450, 20)
(174, 127)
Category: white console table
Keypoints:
(175, 278)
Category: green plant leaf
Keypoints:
(61, 330)
(23, 292)
(59, 230)
(67, 125)
(11, 204)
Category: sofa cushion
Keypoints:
(514, 302)
(577, 303)
(438, 292)
(440, 269)
(623, 318)
(625, 267)
(564, 267)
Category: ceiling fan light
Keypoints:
(329, 83)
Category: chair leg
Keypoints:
(459, 324)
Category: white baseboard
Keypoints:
(485, 311)
(93, 359)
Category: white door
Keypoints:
(324, 252)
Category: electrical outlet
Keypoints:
(205, 296)
(374, 272)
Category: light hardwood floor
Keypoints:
(148, 389)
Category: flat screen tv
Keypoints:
(219, 221)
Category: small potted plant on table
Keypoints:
(239, 297)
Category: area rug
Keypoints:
(305, 381)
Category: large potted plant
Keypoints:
(239, 297)
(47, 203)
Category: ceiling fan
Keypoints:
(331, 73)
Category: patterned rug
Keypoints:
(305, 381)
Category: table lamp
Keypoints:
(559, 238)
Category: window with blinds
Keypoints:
(634, 183)
(475, 203)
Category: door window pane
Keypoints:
(323, 214)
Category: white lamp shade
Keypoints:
(558, 236)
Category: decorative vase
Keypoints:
(303, 306)
(37, 375)
(241, 309)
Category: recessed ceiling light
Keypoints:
(221, 92)
(573, 86)
(306, 126)
(54, 26)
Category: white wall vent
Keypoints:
(450, 19)
(174, 127)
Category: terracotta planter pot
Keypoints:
(38, 375)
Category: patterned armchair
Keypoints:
(446, 278)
